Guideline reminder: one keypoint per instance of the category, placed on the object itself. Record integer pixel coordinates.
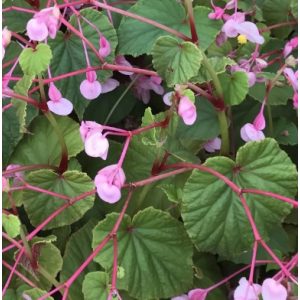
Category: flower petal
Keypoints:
(37, 31)
(63, 107)
(90, 90)
(109, 85)
(250, 30)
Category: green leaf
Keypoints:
(98, 110)
(95, 286)
(10, 133)
(235, 87)
(41, 145)
(35, 61)
(77, 250)
(218, 64)
(136, 38)
(36, 293)
(214, 216)
(16, 293)
(176, 62)
(11, 224)
(294, 8)
(285, 132)
(15, 20)
(40, 205)
(68, 56)
(277, 11)
(151, 245)
(22, 88)
(278, 95)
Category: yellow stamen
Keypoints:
(242, 39)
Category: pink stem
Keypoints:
(253, 263)
(6, 107)
(40, 190)
(115, 266)
(124, 151)
(51, 292)
(84, 45)
(28, 167)
(269, 194)
(26, 10)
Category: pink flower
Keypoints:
(5, 88)
(43, 24)
(187, 110)
(253, 132)
(212, 145)
(5, 184)
(18, 177)
(90, 88)
(105, 48)
(245, 291)
(109, 182)
(292, 78)
(6, 38)
(217, 14)
(237, 26)
(95, 143)
(273, 290)
(109, 85)
(144, 84)
(122, 61)
(57, 104)
(181, 297)
(290, 46)
(295, 100)
(197, 294)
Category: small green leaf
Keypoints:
(41, 145)
(176, 62)
(36, 293)
(40, 205)
(95, 286)
(151, 245)
(78, 248)
(35, 61)
(214, 216)
(11, 224)
(22, 88)
(235, 87)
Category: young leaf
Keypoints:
(95, 286)
(176, 62)
(35, 61)
(151, 245)
(11, 224)
(235, 87)
(40, 205)
(214, 216)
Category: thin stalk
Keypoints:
(189, 8)
(271, 128)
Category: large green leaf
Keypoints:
(68, 55)
(235, 87)
(136, 38)
(95, 286)
(40, 205)
(41, 145)
(35, 61)
(214, 216)
(176, 62)
(77, 250)
(153, 246)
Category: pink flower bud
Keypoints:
(187, 110)
(290, 46)
(57, 104)
(217, 14)
(90, 88)
(6, 37)
(109, 182)
(181, 297)
(212, 145)
(122, 61)
(37, 30)
(87, 127)
(292, 77)
(245, 291)
(250, 133)
(96, 145)
(295, 100)
(273, 290)
(105, 48)
(259, 122)
(197, 294)
(167, 98)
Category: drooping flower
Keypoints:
(290, 46)
(57, 104)
(197, 294)
(181, 297)
(167, 98)
(253, 132)
(109, 85)
(43, 24)
(219, 12)
(95, 143)
(292, 78)
(104, 45)
(273, 290)
(187, 110)
(90, 88)
(122, 61)
(109, 182)
(144, 84)
(246, 291)
(213, 145)
(6, 38)
(237, 25)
